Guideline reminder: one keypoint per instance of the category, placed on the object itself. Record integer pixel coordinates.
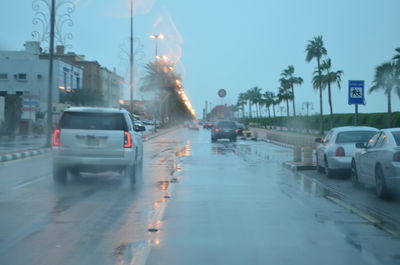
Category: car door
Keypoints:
(322, 147)
(367, 159)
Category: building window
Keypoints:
(78, 80)
(3, 76)
(22, 77)
(65, 80)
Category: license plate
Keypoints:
(92, 141)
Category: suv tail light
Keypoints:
(217, 130)
(127, 140)
(237, 130)
(396, 157)
(56, 137)
(340, 151)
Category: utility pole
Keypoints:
(50, 84)
(131, 77)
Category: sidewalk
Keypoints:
(12, 145)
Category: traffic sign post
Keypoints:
(356, 96)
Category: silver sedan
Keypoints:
(335, 151)
(377, 163)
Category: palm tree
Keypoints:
(268, 98)
(286, 95)
(315, 50)
(275, 101)
(255, 97)
(386, 79)
(247, 97)
(396, 60)
(288, 75)
(241, 102)
(328, 79)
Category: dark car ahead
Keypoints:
(224, 130)
(241, 128)
(208, 125)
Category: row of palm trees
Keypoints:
(386, 78)
(323, 77)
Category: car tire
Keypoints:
(354, 175)
(213, 140)
(76, 175)
(130, 172)
(320, 169)
(59, 174)
(380, 183)
(328, 172)
(234, 139)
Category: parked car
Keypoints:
(96, 140)
(193, 125)
(224, 130)
(377, 163)
(186, 124)
(334, 152)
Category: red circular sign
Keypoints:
(222, 93)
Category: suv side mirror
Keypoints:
(361, 145)
(140, 128)
(318, 140)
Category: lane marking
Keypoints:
(371, 219)
(29, 182)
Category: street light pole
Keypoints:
(50, 84)
(131, 62)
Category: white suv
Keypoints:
(96, 140)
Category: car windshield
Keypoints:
(354, 137)
(396, 136)
(92, 121)
(255, 113)
(226, 124)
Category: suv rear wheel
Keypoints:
(130, 172)
(59, 174)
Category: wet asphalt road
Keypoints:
(195, 203)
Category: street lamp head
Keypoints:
(157, 36)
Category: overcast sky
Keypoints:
(232, 44)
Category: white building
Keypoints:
(24, 73)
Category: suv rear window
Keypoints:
(354, 137)
(93, 121)
(396, 136)
(226, 124)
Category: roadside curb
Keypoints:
(298, 166)
(380, 220)
(277, 143)
(22, 154)
(148, 138)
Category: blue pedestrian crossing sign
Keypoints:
(356, 92)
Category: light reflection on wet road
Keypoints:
(196, 203)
